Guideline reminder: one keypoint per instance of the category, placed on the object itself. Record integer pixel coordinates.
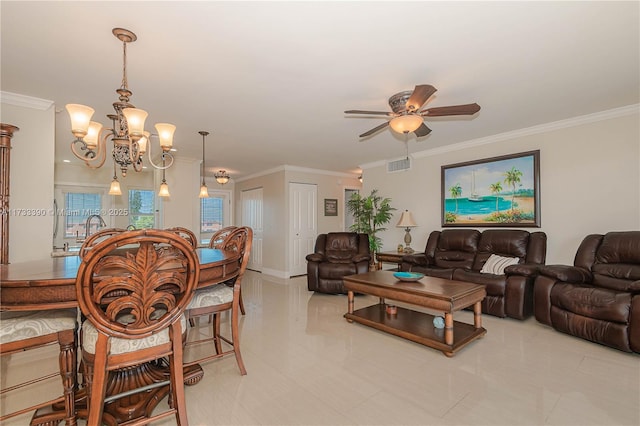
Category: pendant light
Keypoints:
(114, 189)
(204, 191)
(164, 188)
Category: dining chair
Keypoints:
(216, 242)
(215, 300)
(186, 234)
(134, 303)
(25, 330)
(96, 237)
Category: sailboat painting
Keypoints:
(492, 192)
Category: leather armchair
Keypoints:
(598, 298)
(336, 255)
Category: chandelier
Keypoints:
(130, 140)
(222, 177)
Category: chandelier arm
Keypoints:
(165, 155)
(91, 158)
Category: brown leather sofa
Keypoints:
(598, 298)
(460, 254)
(337, 254)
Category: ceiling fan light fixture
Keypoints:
(406, 123)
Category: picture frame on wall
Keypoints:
(499, 191)
(331, 207)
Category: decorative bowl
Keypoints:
(408, 276)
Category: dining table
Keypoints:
(50, 283)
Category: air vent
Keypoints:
(399, 165)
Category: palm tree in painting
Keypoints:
(496, 188)
(456, 191)
(511, 178)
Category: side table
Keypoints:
(391, 257)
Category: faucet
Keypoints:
(88, 224)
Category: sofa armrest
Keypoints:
(315, 257)
(570, 274)
(523, 269)
(634, 287)
(417, 259)
(361, 258)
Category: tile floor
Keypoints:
(307, 366)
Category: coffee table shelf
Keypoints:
(415, 326)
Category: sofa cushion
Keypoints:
(495, 284)
(456, 248)
(503, 242)
(496, 264)
(592, 302)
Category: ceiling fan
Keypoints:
(407, 115)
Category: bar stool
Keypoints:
(25, 330)
(134, 302)
(216, 242)
(219, 298)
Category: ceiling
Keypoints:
(271, 80)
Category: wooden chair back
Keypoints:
(150, 286)
(217, 239)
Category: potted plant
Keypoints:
(371, 213)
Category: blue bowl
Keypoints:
(408, 276)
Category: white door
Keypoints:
(252, 216)
(303, 226)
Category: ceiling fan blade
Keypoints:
(423, 130)
(357, 111)
(375, 129)
(467, 109)
(419, 96)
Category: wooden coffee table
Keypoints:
(434, 293)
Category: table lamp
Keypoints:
(406, 221)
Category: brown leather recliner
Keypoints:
(460, 254)
(597, 299)
(337, 254)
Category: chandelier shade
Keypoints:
(129, 139)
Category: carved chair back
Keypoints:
(93, 239)
(134, 293)
(186, 234)
(217, 239)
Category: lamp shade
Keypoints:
(165, 133)
(406, 123)
(204, 192)
(406, 220)
(114, 189)
(222, 177)
(164, 190)
(135, 121)
(93, 134)
(80, 117)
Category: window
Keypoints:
(141, 208)
(211, 214)
(78, 206)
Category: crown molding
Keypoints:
(528, 131)
(25, 101)
(289, 168)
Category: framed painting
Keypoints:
(492, 192)
(330, 207)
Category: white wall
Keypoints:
(589, 180)
(30, 237)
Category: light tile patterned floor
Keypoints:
(307, 366)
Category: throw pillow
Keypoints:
(496, 264)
